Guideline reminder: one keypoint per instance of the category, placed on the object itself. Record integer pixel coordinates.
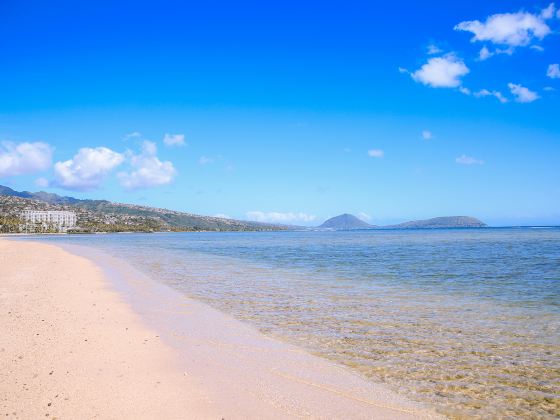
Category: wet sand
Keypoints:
(83, 340)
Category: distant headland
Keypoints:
(106, 216)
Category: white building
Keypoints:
(61, 220)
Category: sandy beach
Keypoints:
(77, 345)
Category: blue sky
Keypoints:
(287, 112)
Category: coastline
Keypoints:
(151, 352)
(72, 349)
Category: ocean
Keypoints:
(465, 320)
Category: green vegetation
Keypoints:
(9, 224)
(105, 216)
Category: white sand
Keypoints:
(72, 347)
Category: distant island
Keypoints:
(441, 222)
(351, 222)
(345, 222)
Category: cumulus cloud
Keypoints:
(553, 71)
(483, 93)
(24, 158)
(548, 12)
(434, 49)
(147, 169)
(205, 160)
(484, 54)
(468, 160)
(278, 217)
(174, 139)
(522, 94)
(133, 135)
(509, 29)
(149, 148)
(496, 94)
(376, 153)
(42, 182)
(87, 169)
(427, 135)
(441, 72)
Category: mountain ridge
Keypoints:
(107, 216)
(40, 195)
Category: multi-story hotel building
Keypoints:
(62, 220)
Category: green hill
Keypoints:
(106, 216)
(441, 222)
(345, 222)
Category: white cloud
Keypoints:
(205, 160)
(434, 49)
(42, 182)
(133, 135)
(277, 217)
(553, 71)
(496, 94)
(511, 29)
(174, 139)
(87, 169)
(403, 70)
(482, 93)
(468, 160)
(548, 13)
(522, 94)
(441, 72)
(427, 135)
(149, 148)
(148, 170)
(364, 216)
(222, 216)
(24, 158)
(376, 153)
(484, 54)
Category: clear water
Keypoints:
(466, 320)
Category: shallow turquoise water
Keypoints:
(465, 319)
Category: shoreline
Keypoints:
(73, 349)
(213, 365)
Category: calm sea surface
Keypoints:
(467, 320)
